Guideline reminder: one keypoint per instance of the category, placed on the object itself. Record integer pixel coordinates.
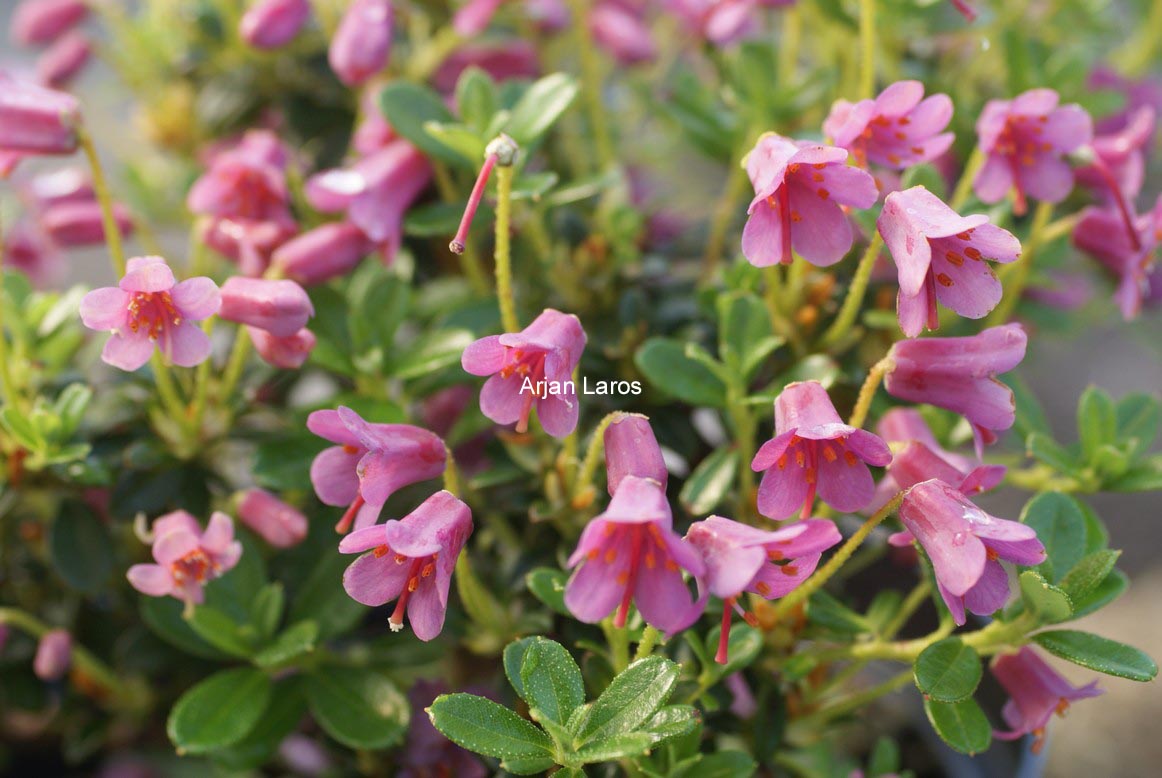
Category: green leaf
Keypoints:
(266, 610)
(548, 585)
(219, 711)
(962, 725)
(1030, 416)
(219, 630)
(81, 548)
(433, 220)
(535, 765)
(948, 670)
(1146, 476)
(743, 646)
(408, 107)
(358, 707)
(281, 717)
(1045, 449)
(826, 611)
(463, 140)
(1096, 421)
(630, 699)
(379, 302)
(534, 186)
(1089, 573)
(1060, 526)
(21, 429)
(551, 680)
(476, 98)
(540, 106)
(724, 764)
(321, 598)
(431, 352)
(1098, 653)
(1050, 603)
(623, 746)
(1113, 587)
(710, 482)
(70, 407)
(1138, 417)
(885, 758)
(745, 339)
(487, 728)
(665, 364)
(671, 721)
(163, 615)
(514, 657)
(295, 640)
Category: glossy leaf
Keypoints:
(962, 725)
(1098, 653)
(667, 367)
(948, 670)
(540, 107)
(485, 727)
(548, 585)
(1060, 526)
(1049, 602)
(551, 680)
(630, 699)
(708, 486)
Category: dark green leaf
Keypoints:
(724, 764)
(551, 680)
(514, 657)
(630, 699)
(81, 548)
(1060, 526)
(745, 339)
(1098, 653)
(358, 707)
(710, 482)
(548, 585)
(163, 615)
(625, 745)
(296, 640)
(743, 646)
(321, 598)
(282, 715)
(266, 610)
(433, 220)
(483, 726)
(665, 364)
(219, 630)
(671, 721)
(219, 711)
(1113, 587)
(961, 725)
(539, 107)
(948, 670)
(826, 611)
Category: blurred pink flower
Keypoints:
(897, 129)
(64, 59)
(288, 352)
(1131, 258)
(186, 557)
(280, 307)
(632, 449)
(43, 21)
(53, 655)
(279, 524)
(271, 24)
(35, 120)
(362, 44)
(1036, 692)
(326, 252)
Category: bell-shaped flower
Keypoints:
(288, 352)
(35, 120)
(43, 21)
(64, 59)
(620, 28)
(362, 43)
(1036, 692)
(632, 449)
(280, 307)
(326, 252)
(271, 24)
(410, 561)
(54, 653)
(1101, 233)
(187, 558)
(279, 524)
(897, 129)
(78, 223)
(1119, 166)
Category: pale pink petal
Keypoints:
(147, 274)
(375, 580)
(781, 580)
(995, 179)
(484, 357)
(593, 592)
(845, 487)
(823, 235)
(219, 533)
(762, 236)
(990, 593)
(154, 580)
(501, 399)
(558, 414)
(186, 345)
(426, 611)
(105, 309)
(1049, 178)
(128, 352)
(333, 476)
(664, 600)
(197, 298)
(172, 546)
(782, 492)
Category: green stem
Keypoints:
(593, 454)
(744, 431)
(201, 385)
(917, 597)
(591, 83)
(867, 38)
(167, 390)
(645, 646)
(724, 213)
(236, 363)
(775, 297)
(855, 293)
(964, 185)
(852, 702)
(105, 200)
(80, 657)
(1016, 276)
(451, 475)
(868, 390)
(618, 642)
(504, 293)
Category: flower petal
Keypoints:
(154, 580)
(105, 309)
(197, 298)
(128, 352)
(373, 580)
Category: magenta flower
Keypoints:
(149, 308)
(34, 120)
(326, 252)
(632, 449)
(26, 248)
(1119, 166)
(1036, 692)
(273, 520)
(53, 655)
(966, 10)
(620, 29)
(814, 451)
(373, 131)
(959, 374)
(247, 244)
(630, 553)
(1025, 139)
(280, 307)
(965, 545)
(76, 223)
(898, 129)
(474, 16)
(740, 558)
(799, 188)
(534, 365)
(940, 255)
(510, 59)
(245, 185)
(64, 59)
(370, 463)
(288, 353)
(720, 22)
(43, 21)
(411, 562)
(362, 44)
(186, 557)
(271, 24)
(1102, 234)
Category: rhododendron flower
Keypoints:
(814, 451)
(43, 21)
(960, 374)
(373, 131)
(187, 558)
(533, 366)
(370, 463)
(474, 16)
(799, 188)
(53, 655)
(940, 255)
(1025, 139)
(511, 59)
(243, 184)
(362, 44)
(280, 307)
(632, 449)
(78, 222)
(630, 553)
(1144, 91)
(323, 253)
(34, 120)
(740, 558)
(1102, 234)
(150, 308)
(898, 129)
(411, 562)
(1119, 167)
(621, 30)
(64, 59)
(965, 545)
(271, 24)
(1036, 692)
(279, 524)
(288, 352)
(720, 22)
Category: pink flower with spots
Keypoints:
(631, 554)
(1119, 166)
(149, 308)
(813, 451)
(940, 255)
(798, 190)
(1036, 692)
(898, 129)
(1129, 257)
(1025, 139)
(186, 558)
(411, 562)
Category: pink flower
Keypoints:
(34, 120)
(186, 557)
(474, 16)
(632, 449)
(77, 223)
(370, 462)
(720, 22)
(53, 655)
(966, 10)
(1025, 139)
(362, 43)
(280, 307)
(1119, 167)
(898, 129)
(248, 244)
(148, 307)
(740, 558)
(534, 365)
(64, 59)
(373, 131)
(243, 184)
(1102, 234)
(965, 545)
(630, 553)
(271, 24)
(288, 352)
(26, 248)
(411, 562)
(1036, 692)
(940, 255)
(323, 253)
(620, 29)
(799, 188)
(43, 21)
(511, 59)
(273, 520)
(813, 450)
(960, 374)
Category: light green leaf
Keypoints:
(1050, 603)
(431, 352)
(1089, 573)
(625, 745)
(408, 107)
(548, 585)
(296, 640)
(710, 482)
(540, 107)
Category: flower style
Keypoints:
(965, 545)
(411, 561)
(1025, 139)
(277, 523)
(53, 655)
(362, 44)
(534, 365)
(799, 188)
(280, 307)
(1036, 692)
(186, 557)
(34, 120)
(149, 308)
(370, 462)
(630, 553)
(632, 449)
(898, 129)
(813, 450)
(740, 558)
(959, 374)
(271, 24)
(1100, 232)
(940, 255)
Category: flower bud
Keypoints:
(277, 523)
(37, 120)
(288, 353)
(52, 655)
(323, 253)
(81, 223)
(279, 307)
(271, 24)
(43, 21)
(64, 59)
(632, 449)
(362, 43)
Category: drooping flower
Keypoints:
(1036, 692)
(533, 366)
(370, 462)
(76, 223)
(243, 184)
(814, 451)
(411, 561)
(53, 655)
(966, 546)
(632, 449)
(959, 374)
(941, 255)
(150, 308)
(630, 553)
(288, 353)
(280, 307)
(1138, 92)
(897, 129)
(373, 131)
(508, 59)
(720, 22)
(799, 188)
(1101, 233)
(1119, 167)
(427, 753)
(271, 24)
(187, 558)
(279, 524)
(1025, 139)
(474, 16)
(43, 21)
(64, 59)
(35, 120)
(740, 558)
(620, 29)
(362, 44)
(326, 252)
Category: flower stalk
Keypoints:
(855, 294)
(105, 200)
(868, 390)
(1017, 275)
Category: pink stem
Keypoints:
(461, 240)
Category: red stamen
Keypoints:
(345, 523)
(724, 638)
(631, 580)
(413, 581)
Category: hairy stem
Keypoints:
(868, 390)
(855, 293)
(105, 200)
(504, 292)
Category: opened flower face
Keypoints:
(897, 129)
(186, 557)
